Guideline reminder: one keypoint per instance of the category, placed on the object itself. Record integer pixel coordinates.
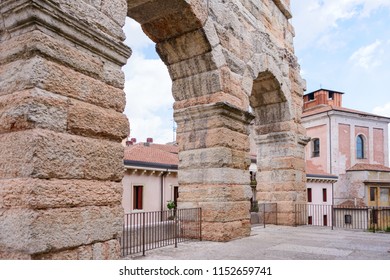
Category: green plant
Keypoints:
(171, 204)
(387, 229)
(254, 206)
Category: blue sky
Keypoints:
(342, 45)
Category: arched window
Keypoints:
(360, 146)
(315, 147)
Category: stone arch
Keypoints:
(279, 139)
(206, 108)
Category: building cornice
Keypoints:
(141, 165)
(319, 178)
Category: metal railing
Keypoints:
(365, 218)
(380, 217)
(268, 213)
(150, 230)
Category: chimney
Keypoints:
(129, 143)
(149, 140)
(134, 140)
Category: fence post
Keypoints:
(276, 213)
(200, 224)
(143, 234)
(332, 213)
(175, 225)
(375, 217)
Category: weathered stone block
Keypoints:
(214, 157)
(281, 175)
(225, 211)
(115, 9)
(46, 154)
(208, 99)
(92, 121)
(218, 137)
(197, 85)
(215, 231)
(213, 176)
(39, 231)
(206, 62)
(181, 48)
(33, 108)
(98, 19)
(216, 193)
(41, 194)
(28, 45)
(52, 77)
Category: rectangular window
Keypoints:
(137, 197)
(309, 195)
(372, 194)
(348, 219)
(384, 195)
(310, 220)
(316, 147)
(325, 220)
(324, 195)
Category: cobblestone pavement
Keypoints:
(283, 243)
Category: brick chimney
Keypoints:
(149, 140)
(134, 140)
(322, 97)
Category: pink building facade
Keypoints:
(150, 179)
(346, 145)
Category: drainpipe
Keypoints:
(330, 163)
(330, 143)
(164, 174)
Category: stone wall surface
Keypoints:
(233, 70)
(61, 124)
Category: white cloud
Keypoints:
(316, 21)
(135, 37)
(369, 56)
(148, 90)
(382, 110)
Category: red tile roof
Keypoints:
(152, 153)
(326, 108)
(369, 167)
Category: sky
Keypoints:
(342, 45)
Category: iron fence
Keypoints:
(380, 218)
(150, 230)
(365, 218)
(268, 213)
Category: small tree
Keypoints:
(171, 204)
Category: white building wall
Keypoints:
(151, 183)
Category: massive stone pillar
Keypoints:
(213, 167)
(61, 124)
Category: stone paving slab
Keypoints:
(283, 243)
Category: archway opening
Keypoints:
(280, 165)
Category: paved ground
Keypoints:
(284, 243)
